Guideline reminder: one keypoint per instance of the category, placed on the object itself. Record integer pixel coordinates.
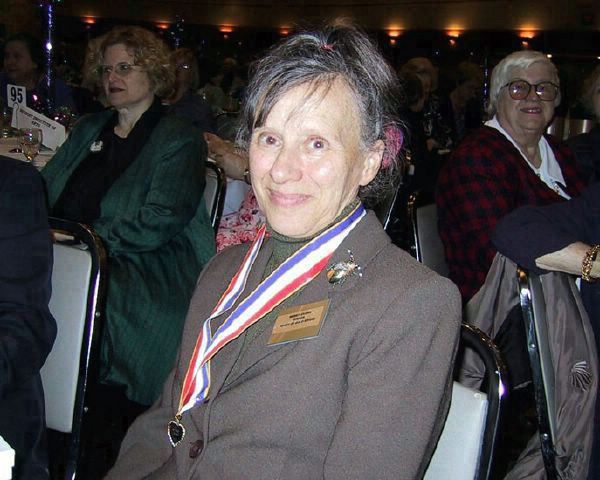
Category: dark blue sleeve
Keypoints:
(530, 232)
(27, 329)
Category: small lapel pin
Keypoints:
(339, 272)
(96, 146)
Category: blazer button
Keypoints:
(196, 448)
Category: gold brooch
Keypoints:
(339, 272)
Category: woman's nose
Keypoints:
(532, 95)
(286, 166)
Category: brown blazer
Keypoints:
(367, 398)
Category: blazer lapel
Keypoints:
(226, 358)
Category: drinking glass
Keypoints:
(30, 140)
(5, 120)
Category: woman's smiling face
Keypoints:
(307, 161)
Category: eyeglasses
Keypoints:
(121, 69)
(519, 90)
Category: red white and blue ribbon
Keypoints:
(297, 271)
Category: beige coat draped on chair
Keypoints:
(572, 348)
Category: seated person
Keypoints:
(562, 237)
(240, 224)
(24, 66)
(464, 106)
(587, 145)
(27, 329)
(184, 102)
(436, 128)
(330, 370)
(507, 163)
(136, 175)
(423, 166)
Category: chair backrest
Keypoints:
(533, 307)
(214, 192)
(7, 460)
(386, 208)
(466, 446)
(76, 303)
(427, 244)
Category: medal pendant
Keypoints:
(176, 431)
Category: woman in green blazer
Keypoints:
(137, 176)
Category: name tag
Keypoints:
(298, 323)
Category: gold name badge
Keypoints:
(298, 323)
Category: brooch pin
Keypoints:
(339, 272)
(96, 146)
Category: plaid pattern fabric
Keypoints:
(484, 179)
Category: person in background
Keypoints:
(211, 90)
(329, 370)
(240, 224)
(437, 129)
(27, 328)
(587, 145)
(423, 166)
(464, 105)
(24, 65)
(136, 175)
(563, 237)
(184, 102)
(505, 164)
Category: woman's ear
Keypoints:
(372, 162)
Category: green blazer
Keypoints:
(158, 237)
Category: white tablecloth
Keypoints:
(7, 460)
(8, 144)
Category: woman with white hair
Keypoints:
(507, 163)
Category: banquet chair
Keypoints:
(71, 369)
(533, 307)
(466, 446)
(214, 192)
(427, 245)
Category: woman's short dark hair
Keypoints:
(320, 57)
(33, 45)
(147, 49)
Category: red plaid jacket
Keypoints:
(484, 179)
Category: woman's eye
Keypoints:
(317, 143)
(268, 140)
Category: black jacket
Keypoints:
(27, 329)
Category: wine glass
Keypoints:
(30, 140)
(5, 120)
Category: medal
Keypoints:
(338, 272)
(176, 431)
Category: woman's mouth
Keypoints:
(287, 199)
(531, 110)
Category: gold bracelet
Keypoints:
(588, 263)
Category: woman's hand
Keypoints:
(227, 156)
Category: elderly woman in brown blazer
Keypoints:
(321, 350)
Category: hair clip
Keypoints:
(394, 138)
